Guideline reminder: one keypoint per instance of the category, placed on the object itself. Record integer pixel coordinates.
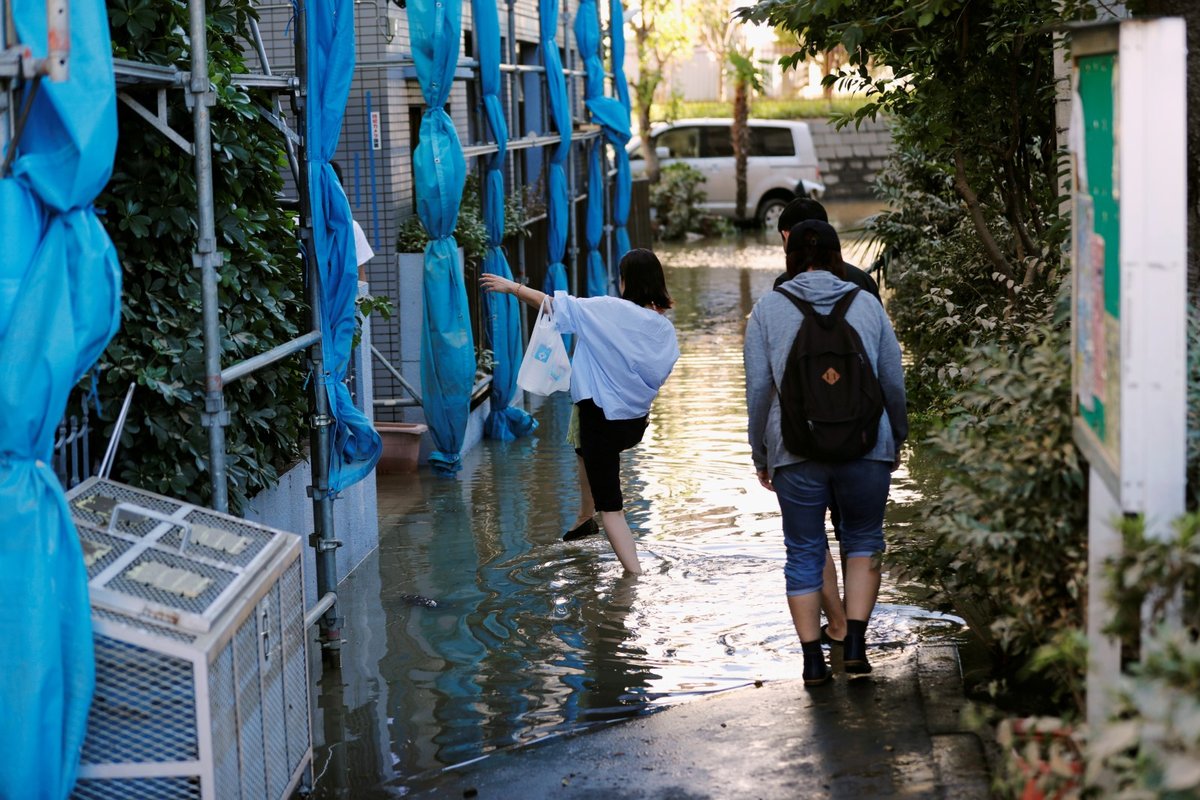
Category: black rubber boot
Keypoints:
(816, 671)
(855, 647)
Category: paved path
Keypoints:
(895, 734)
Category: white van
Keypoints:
(781, 164)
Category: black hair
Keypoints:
(645, 283)
(799, 210)
(814, 244)
(337, 170)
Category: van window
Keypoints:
(680, 142)
(772, 142)
(717, 142)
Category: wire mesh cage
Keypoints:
(201, 664)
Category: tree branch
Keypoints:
(981, 227)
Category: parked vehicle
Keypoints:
(782, 163)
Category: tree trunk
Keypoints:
(741, 140)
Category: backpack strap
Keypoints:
(825, 320)
(805, 307)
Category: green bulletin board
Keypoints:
(1096, 254)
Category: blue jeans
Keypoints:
(804, 491)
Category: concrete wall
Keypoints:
(356, 519)
(850, 158)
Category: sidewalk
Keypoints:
(895, 734)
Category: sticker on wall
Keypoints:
(376, 131)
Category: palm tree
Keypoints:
(745, 79)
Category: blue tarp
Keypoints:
(557, 204)
(624, 187)
(60, 287)
(614, 121)
(503, 318)
(330, 27)
(447, 348)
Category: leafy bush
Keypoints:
(1003, 542)
(150, 213)
(1151, 746)
(764, 108)
(676, 200)
(470, 231)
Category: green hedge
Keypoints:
(762, 108)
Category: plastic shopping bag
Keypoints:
(545, 369)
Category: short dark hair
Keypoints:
(645, 283)
(799, 210)
(814, 244)
(337, 170)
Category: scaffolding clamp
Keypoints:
(215, 412)
(321, 420)
(322, 545)
(208, 95)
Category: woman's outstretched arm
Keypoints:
(526, 294)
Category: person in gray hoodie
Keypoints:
(804, 487)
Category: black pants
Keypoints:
(601, 441)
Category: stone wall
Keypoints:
(850, 158)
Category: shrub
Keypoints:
(1151, 745)
(676, 200)
(150, 207)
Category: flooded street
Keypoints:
(532, 637)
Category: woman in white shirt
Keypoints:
(625, 350)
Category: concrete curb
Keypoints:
(957, 752)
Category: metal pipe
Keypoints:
(322, 539)
(396, 374)
(261, 49)
(243, 368)
(396, 402)
(111, 453)
(58, 40)
(324, 604)
(206, 258)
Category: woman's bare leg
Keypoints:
(587, 506)
(621, 539)
(862, 586)
(831, 599)
(806, 615)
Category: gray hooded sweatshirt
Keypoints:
(772, 327)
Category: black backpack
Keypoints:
(829, 398)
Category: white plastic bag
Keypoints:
(545, 369)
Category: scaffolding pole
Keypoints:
(206, 258)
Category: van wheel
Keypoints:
(769, 211)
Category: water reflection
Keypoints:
(533, 637)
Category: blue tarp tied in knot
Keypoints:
(614, 121)
(356, 446)
(447, 348)
(501, 310)
(60, 287)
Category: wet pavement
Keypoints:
(895, 734)
(541, 661)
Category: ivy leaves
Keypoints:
(150, 206)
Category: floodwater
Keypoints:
(532, 637)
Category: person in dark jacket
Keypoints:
(805, 208)
(804, 487)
